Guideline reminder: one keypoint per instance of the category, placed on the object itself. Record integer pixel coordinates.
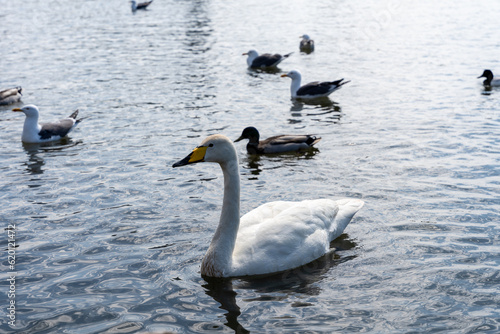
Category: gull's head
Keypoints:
(306, 37)
(251, 53)
(215, 148)
(29, 110)
(294, 74)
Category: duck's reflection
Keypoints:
(254, 163)
(299, 280)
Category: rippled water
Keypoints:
(110, 237)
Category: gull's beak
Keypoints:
(284, 75)
(197, 155)
(245, 54)
(17, 109)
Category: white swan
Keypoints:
(274, 237)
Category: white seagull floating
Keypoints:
(33, 132)
(276, 144)
(306, 44)
(265, 60)
(490, 80)
(274, 237)
(313, 89)
(140, 5)
(11, 95)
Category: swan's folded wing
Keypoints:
(296, 235)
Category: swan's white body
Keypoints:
(275, 236)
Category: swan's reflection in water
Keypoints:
(295, 281)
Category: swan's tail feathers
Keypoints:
(347, 209)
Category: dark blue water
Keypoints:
(110, 238)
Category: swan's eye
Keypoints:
(210, 145)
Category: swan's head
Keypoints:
(249, 133)
(215, 148)
(29, 110)
(251, 54)
(306, 37)
(294, 74)
(486, 74)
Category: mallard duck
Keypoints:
(265, 60)
(490, 80)
(11, 95)
(275, 236)
(313, 89)
(276, 144)
(306, 44)
(34, 132)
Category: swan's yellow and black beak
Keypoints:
(198, 155)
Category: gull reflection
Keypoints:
(35, 152)
(324, 108)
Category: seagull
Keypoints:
(11, 95)
(140, 5)
(313, 89)
(34, 132)
(306, 44)
(264, 60)
(276, 144)
(490, 80)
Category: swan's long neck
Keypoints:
(218, 259)
(294, 87)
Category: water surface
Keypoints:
(110, 237)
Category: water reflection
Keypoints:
(198, 29)
(254, 163)
(321, 107)
(221, 290)
(299, 280)
(255, 72)
(35, 150)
